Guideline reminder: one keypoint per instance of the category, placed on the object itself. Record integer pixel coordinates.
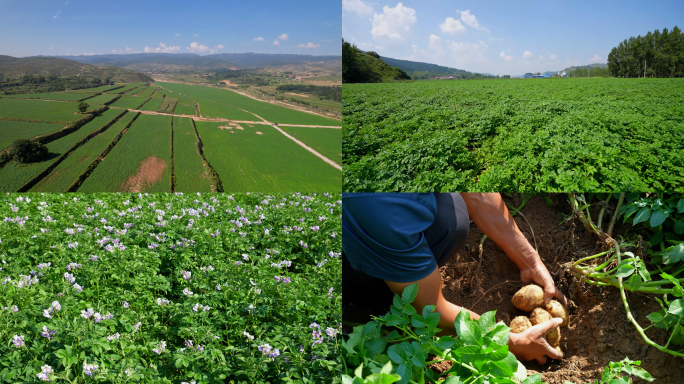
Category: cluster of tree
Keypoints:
(589, 71)
(418, 70)
(326, 93)
(50, 83)
(241, 76)
(658, 54)
(367, 67)
(24, 151)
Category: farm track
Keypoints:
(334, 164)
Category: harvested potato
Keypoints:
(557, 309)
(529, 297)
(540, 315)
(558, 349)
(520, 324)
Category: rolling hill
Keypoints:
(12, 67)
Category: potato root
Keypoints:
(540, 315)
(529, 297)
(556, 309)
(520, 324)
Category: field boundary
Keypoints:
(218, 186)
(30, 184)
(173, 163)
(301, 144)
(77, 184)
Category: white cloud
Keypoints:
(527, 55)
(177, 34)
(276, 42)
(284, 36)
(596, 59)
(195, 35)
(51, 48)
(258, 38)
(357, 6)
(469, 19)
(217, 48)
(393, 23)
(196, 47)
(542, 57)
(309, 45)
(451, 26)
(435, 42)
(504, 56)
(162, 48)
(553, 56)
(220, 46)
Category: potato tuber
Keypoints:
(538, 316)
(556, 309)
(529, 297)
(520, 324)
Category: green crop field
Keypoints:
(101, 99)
(188, 168)
(224, 97)
(326, 141)
(140, 161)
(168, 105)
(131, 102)
(126, 88)
(209, 108)
(146, 91)
(69, 170)
(14, 130)
(62, 96)
(267, 161)
(152, 105)
(39, 110)
(14, 175)
(515, 135)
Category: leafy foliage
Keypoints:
(362, 67)
(206, 288)
(591, 135)
(27, 151)
(658, 54)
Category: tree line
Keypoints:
(50, 83)
(367, 67)
(658, 54)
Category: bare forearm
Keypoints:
(488, 211)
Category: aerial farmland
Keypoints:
(167, 137)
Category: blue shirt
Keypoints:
(383, 234)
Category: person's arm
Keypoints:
(430, 293)
(488, 211)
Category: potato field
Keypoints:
(170, 288)
(516, 135)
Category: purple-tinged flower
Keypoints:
(89, 369)
(331, 332)
(44, 265)
(78, 288)
(161, 301)
(70, 278)
(129, 372)
(218, 287)
(187, 292)
(93, 258)
(47, 313)
(267, 350)
(188, 343)
(47, 333)
(248, 335)
(186, 274)
(137, 327)
(87, 314)
(71, 266)
(45, 373)
(114, 336)
(18, 341)
(14, 308)
(125, 304)
(161, 347)
(97, 317)
(330, 295)
(238, 263)
(69, 231)
(73, 245)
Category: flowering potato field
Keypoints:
(545, 135)
(170, 288)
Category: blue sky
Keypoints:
(76, 27)
(503, 37)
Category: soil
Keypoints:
(149, 172)
(599, 331)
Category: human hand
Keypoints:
(540, 275)
(531, 343)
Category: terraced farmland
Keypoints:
(235, 147)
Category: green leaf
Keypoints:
(674, 254)
(487, 321)
(655, 317)
(633, 283)
(680, 206)
(505, 367)
(387, 368)
(534, 379)
(625, 268)
(376, 346)
(397, 353)
(394, 320)
(466, 329)
(445, 342)
(404, 370)
(417, 321)
(468, 353)
(498, 354)
(409, 293)
(452, 380)
(679, 227)
(676, 307)
(658, 217)
(641, 216)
